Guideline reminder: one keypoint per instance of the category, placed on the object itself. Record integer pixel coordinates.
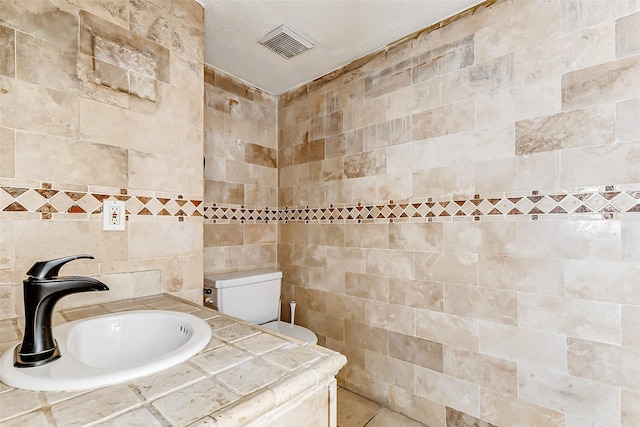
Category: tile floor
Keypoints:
(356, 411)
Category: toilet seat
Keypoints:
(294, 331)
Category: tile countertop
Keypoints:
(244, 372)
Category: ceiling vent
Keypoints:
(285, 42)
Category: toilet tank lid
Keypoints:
(237, 278)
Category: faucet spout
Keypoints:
(41, 291)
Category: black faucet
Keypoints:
(41, 291)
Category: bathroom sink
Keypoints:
(111, 349)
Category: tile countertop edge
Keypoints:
(247, 408)
(262, 402)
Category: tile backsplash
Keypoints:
(97, 98)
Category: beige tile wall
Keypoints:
(240, 175)
(433, 228)
(97, 98)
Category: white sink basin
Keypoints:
(111, 349)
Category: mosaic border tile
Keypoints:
(49, 202)
(578, 205)
(226, 214)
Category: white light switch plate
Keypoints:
(113, 215)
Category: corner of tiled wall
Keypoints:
(241, 175)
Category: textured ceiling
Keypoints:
(341, 30)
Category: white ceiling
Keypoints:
(341, 30)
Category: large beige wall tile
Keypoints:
(7, 255)
(599, 165)
(419, 97)
(630, 332)
(390, 263)
(164, 239)
(44, 63)
(451, 118)
(626, 35)
(38, 109)
(523, 346)
(41, 240)
(417, 294)
(8, 51)
(478, 79)
(112, 125)
(521, 173)
(56, 22)
(591, 401)
(627, 126)
(354, 260)
(571, 129)
(389, 369)
(223, 234)
(593, 240)
(489, 372)
(367, 286)
(328, 280)
(260, 233)
(482, 238)
(388, 80)
(417, 351)
(57, 161)
(611, 81)
(602, 281)
(444, 59)
(247, 257)
(362, 384)
(490, 41)
(7, 152)
(535, 275)
(447, 180)
(417, 407)
(346, 306)
(630, 408)
(294, 233)
(575, 14)
(149, 171)
(447, 267)
(514, 103)
(494, 305)
(604, 363)
(327, 234)
(426, 237)
(366, 337)
(447, 390)
(367, 235)
(447, 329)
(392, 317)
(574, 317)
(506, 410)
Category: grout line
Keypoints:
(374, 415)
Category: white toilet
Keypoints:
(253, 296)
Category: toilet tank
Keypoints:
(252, 295)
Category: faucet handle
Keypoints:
(50, 269)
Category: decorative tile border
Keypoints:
(607, 204)
(48, 202)
(583, 204)
(223, 214)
